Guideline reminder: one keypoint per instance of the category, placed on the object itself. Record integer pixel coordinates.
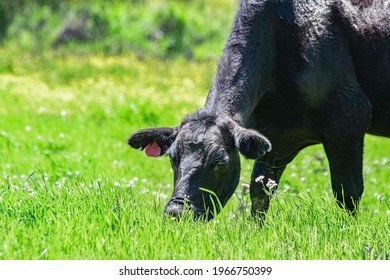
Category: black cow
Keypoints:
(300, 72)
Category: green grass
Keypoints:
(70, 188)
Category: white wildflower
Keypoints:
(271, 184)
(259, 179)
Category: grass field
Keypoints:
(70, 188)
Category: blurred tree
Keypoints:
(3, 23)
(9, 8)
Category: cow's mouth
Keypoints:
(179, 208)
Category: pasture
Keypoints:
(71, 188)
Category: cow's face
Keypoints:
(204, 152)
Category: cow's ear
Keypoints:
(251, 144)
(155, 141)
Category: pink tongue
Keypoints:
(153, 150)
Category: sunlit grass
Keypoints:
(70, 188)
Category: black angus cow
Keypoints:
(301, 72)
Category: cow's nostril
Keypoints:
(174, 208)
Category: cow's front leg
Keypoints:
(345, 119)
(263, 184)
(345, 157)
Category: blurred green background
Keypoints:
(194, 29)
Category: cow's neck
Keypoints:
(243, 70)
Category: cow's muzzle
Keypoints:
(178, 208)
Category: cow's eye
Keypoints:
(220, 165)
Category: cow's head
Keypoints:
(204, 152)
